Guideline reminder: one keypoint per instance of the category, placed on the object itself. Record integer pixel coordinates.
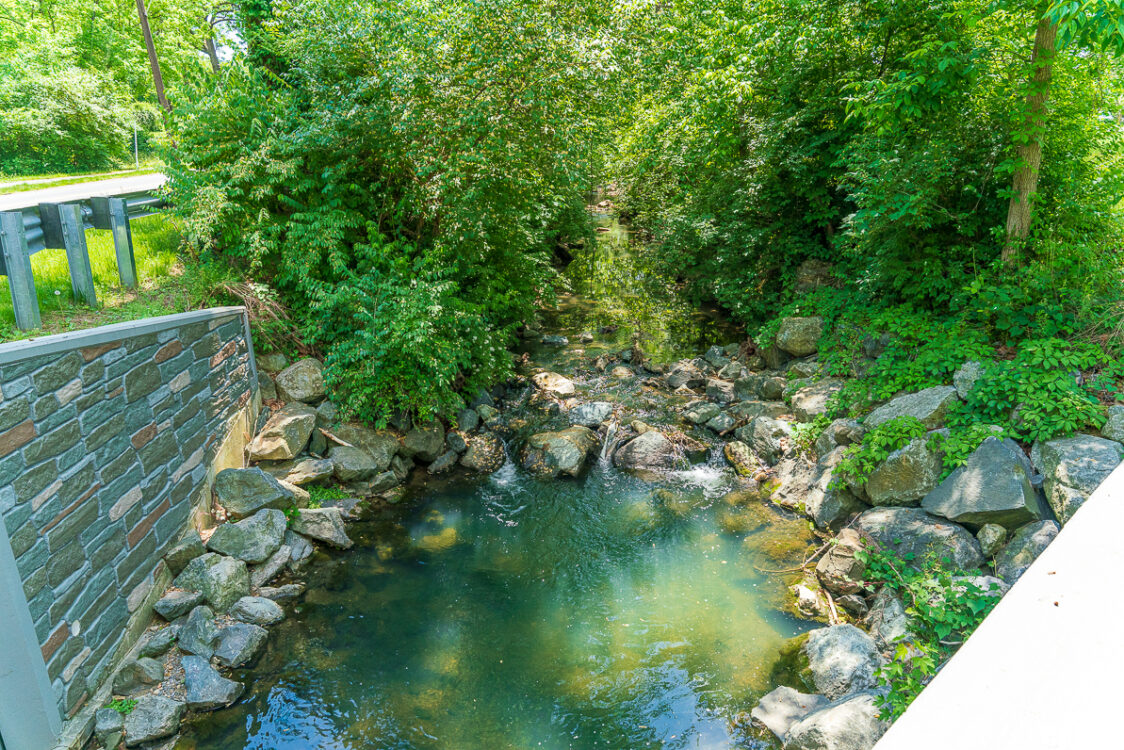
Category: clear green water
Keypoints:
(510, 612)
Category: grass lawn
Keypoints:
(162, 287)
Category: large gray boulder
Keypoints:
(222, 580)
(380, 445)
(651, 450)
(720, 390)
(1114, 426)
(849, 724)
(839, 433)
(300, 471)
(769, 438)
(184, 552)
(701, 412)
(829, 503)
(994, 486)
(841, 570)
(779, 709)
(153, 718)
(906, 475)
(137, 675)
(197, 635)
(563, 452)
(285, 434)
(930, 406)
(485, 454)
(176, 604)
(1024, 548)
(887, 621)
(238, 644)
(800, 336)
(322, 524)
(916, 536)
(301, 381)
(811, 400)
(204, 688)
(965, 378)
(351, 464)
(1072, 468)
(841, 660)
(252, 539)
(244, 492)
(591, 414)
(425, 442)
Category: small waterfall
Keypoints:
(610, 441)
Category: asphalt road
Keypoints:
(81, 190)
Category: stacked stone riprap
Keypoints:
(103, 451)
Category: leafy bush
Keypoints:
(943, 612)
(403, 191)
(860, 460)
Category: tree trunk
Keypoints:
(1024, 186)
(153, 61)
(212, 53)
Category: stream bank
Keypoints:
(610, 550)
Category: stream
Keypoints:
(508, 611)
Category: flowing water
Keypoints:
(611, 611)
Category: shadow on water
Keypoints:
(512, 612)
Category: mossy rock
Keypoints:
(780, 550)
(792, 668)
(744, 519)
(752, 492)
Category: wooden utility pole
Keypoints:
(153, 61)
(1024, 186)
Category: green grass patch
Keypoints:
(162, 288)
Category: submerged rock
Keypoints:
(285, 434)
(1024, 548)
(301, 381)
(1073, 468)
(779, 709)
(849, 724)
(930, 406)
(651, 450)
(915, 535)
(994, 486)
(563, 452)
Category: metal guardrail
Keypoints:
(63, 225)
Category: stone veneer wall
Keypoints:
(106, 451)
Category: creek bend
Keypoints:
(509, 611)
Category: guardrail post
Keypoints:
(77, 255)
(17, 262)
(123, 242)
(52, 229)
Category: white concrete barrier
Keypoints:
(1044, 669)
